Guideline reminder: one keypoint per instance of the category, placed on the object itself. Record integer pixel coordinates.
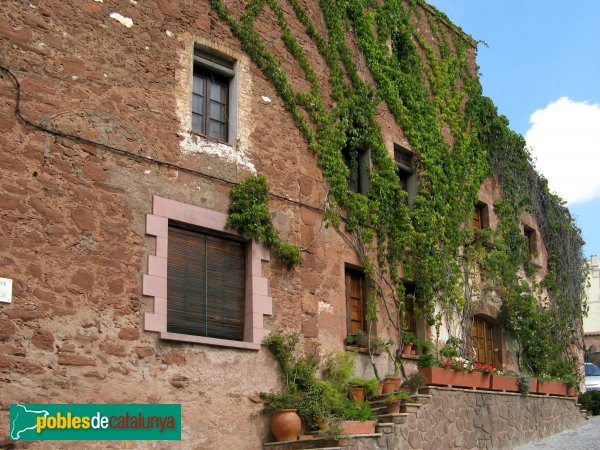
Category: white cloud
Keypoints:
(564, 139)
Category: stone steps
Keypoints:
(313, 443)
(394, 418)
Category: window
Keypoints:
(483, 341)
(206, 281)
(211, 101)
(481, 217)
(358, 163)
(205, 284)
(407, 175)
(356, 305)
(532, 240)
(409, 304)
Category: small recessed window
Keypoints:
(357, 161)
(481, 217)
(410, 291)
(532, 241)
(407, 174)
(356, 303)
(211, 91)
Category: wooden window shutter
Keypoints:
(355, 301)
(205, 285)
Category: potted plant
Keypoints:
(376, 345)
(481, 375)
(357, 339)
(414, 381)
(423, 346)
(504, 381)
(391, 378)
(392, 401)
(362, 388)
(524, 382)
(551, 386)
(408, 340)
(285, 423)
(358, 418)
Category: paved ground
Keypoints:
(586, 437)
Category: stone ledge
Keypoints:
(485, 391)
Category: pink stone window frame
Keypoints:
(154, 283)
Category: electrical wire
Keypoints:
(127, 153)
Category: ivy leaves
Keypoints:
(249, 215)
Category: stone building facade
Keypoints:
(110, 147)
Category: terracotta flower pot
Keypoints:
(380, 388)
(393, 406)
(397, 381)
(323, 424)
(388, 387)
(504, 383)
(357, 427)
(438, 376)
(357, 393)
(407, 349)
(480, 380)
(286, 425)
(552, 388)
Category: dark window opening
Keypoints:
(205, 284)
(357, 162)
(532, 240)
(409, 306)
(481, 217)
(407, 175)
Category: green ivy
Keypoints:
(435, 96)
(249, 215)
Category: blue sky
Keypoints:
(544, 58)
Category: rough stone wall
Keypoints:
(72, 214)
(471, 419)
(467, 419)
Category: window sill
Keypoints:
(209, 139)
(410, 357)
(354, 348)
(209, 341)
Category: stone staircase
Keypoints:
(387, 428)
(445, 417)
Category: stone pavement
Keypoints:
(586, 437)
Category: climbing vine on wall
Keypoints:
(436, 98)
(249, 215)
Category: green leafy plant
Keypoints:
(524, 382)
(452, 347)
(249, 215)
(369, 384)
(424, 346)
(408, 338)
(590, 401)
(414, 381)
(358, 338)
(339, 368)
(358, 411)
(426, 360)
(433, 93)
(398, 396)
(376, 345)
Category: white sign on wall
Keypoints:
(5, 290)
